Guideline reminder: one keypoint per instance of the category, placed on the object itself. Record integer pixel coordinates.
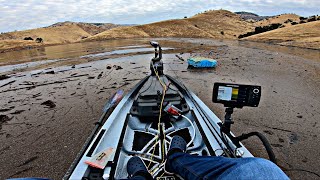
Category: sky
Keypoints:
(29, 14)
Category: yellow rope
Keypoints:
(160, 114)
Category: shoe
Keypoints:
(178, 144)
(136, 167)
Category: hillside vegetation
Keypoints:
(305, 35)
(219, 24)
(284, 19)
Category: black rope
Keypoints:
(265, 142)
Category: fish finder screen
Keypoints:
(228, 93)
(236, 95)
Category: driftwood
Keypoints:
(100, 75)
(34, 86)
(75, 75)
(180, 58)
(8, 83)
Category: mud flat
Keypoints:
(47, 111)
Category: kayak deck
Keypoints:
(130, 135)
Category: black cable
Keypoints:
(265, 142)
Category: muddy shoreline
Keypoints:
(51, 109)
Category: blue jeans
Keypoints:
(211, 167)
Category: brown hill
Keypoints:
(284, 19)
(50, 35)
(58, 33)
(305, 35)
(212, 24)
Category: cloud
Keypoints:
(27, 14)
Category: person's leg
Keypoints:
(211, 167)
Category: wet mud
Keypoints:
(48, 110)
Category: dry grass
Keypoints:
(51, 35)
(305, 35)
(12, 43)
(219, 24)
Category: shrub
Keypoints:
(261, 29)
(302, 18)
(289, 20)
(294, 23)
(312, 18)
(39, 40)
(28, 38)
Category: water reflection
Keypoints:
(65, 51)
(87, 49)
(123, 51)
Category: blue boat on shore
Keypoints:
(202, 62)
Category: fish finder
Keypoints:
(236, 95)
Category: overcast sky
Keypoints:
(28, 14)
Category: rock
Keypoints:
(109, 66)
(49, 104)
(2, 77)
(118, 67)
(293, 138)
(299, 116)
(74, 66)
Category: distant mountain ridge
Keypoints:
(91, 28)
(248, 15)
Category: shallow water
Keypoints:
(123, 51)
(66, 51)
(19, 60)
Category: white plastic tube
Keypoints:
(194, 130)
